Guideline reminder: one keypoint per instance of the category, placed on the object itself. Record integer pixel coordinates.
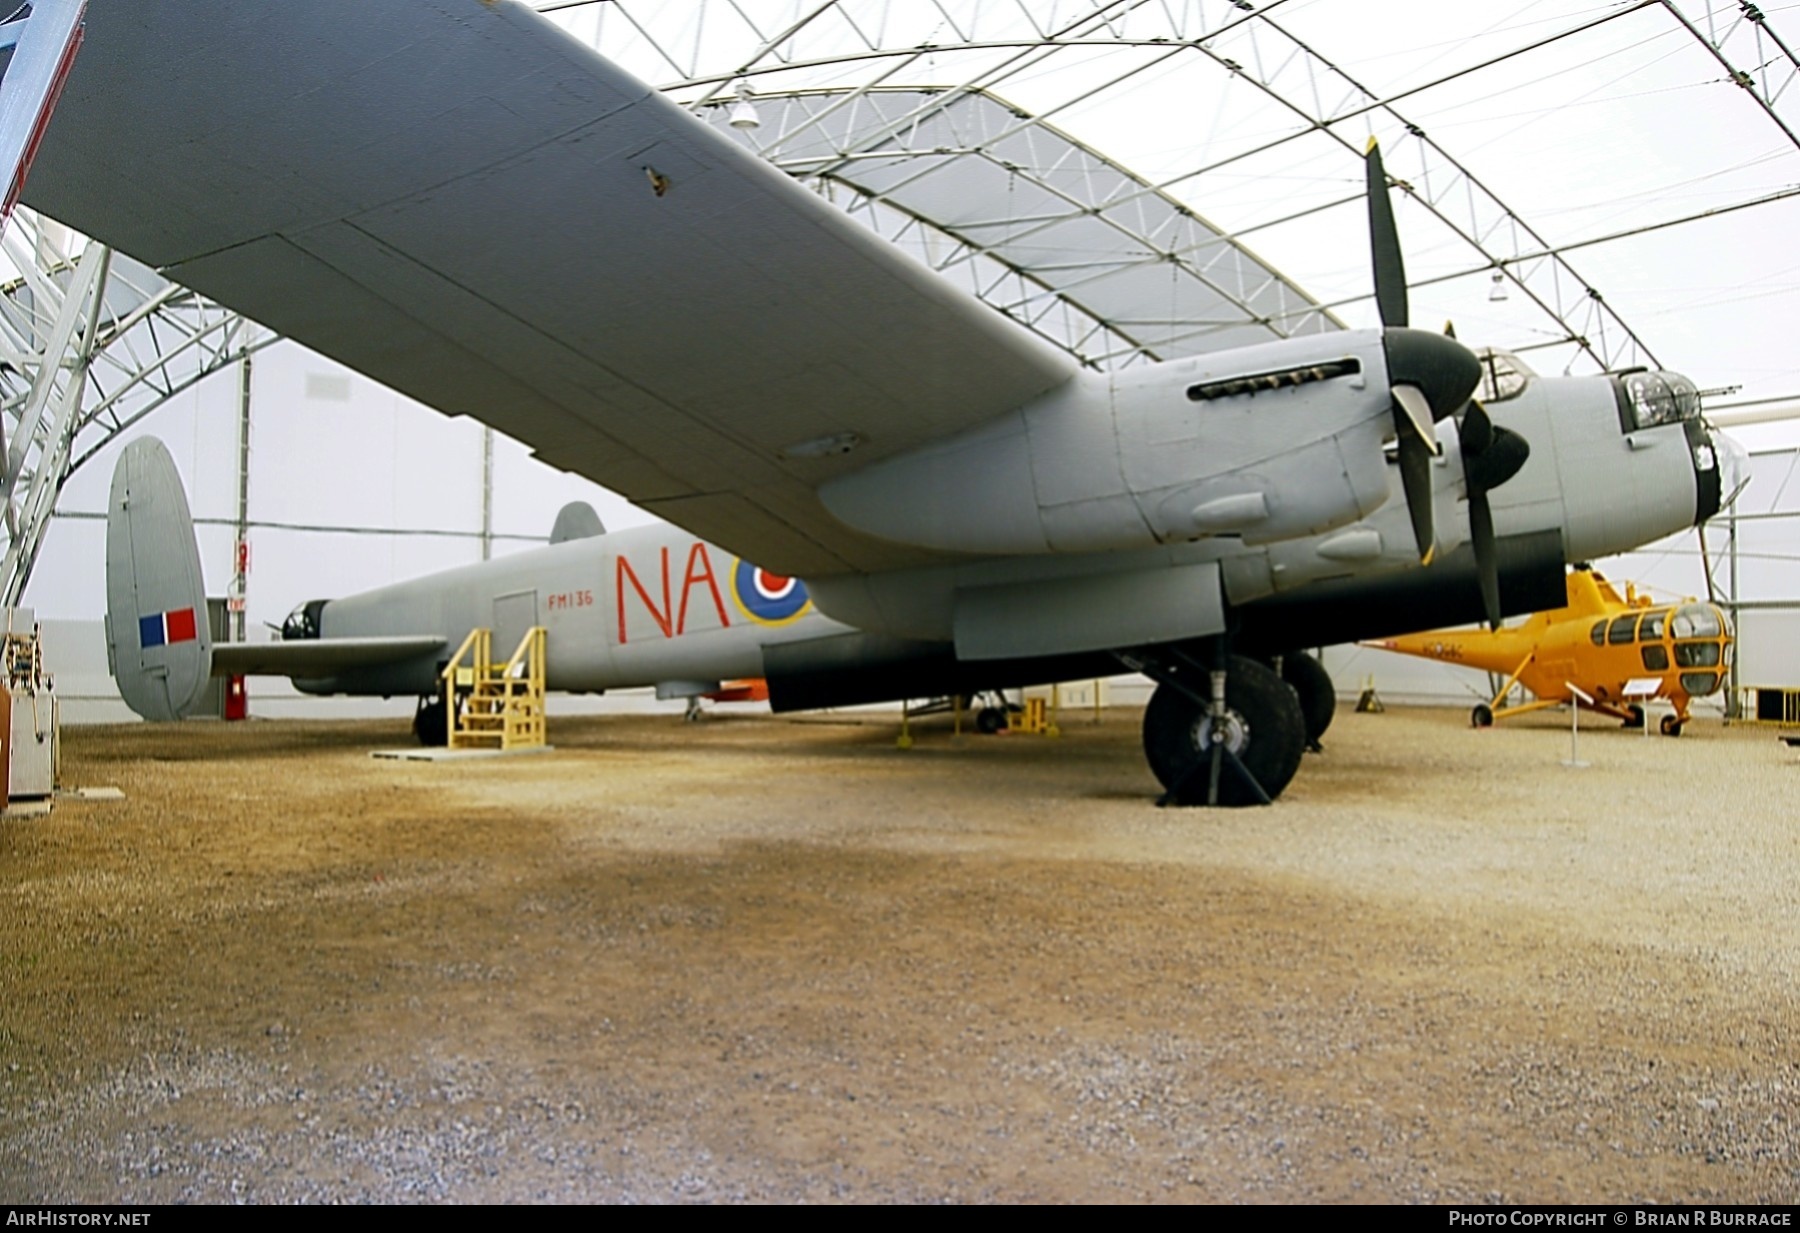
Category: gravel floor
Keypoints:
(762, 959)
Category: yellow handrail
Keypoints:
(490, 704)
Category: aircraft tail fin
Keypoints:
(576, 520)
(158, 642)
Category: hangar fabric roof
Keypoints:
(1595, 186)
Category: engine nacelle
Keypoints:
(1264, 443)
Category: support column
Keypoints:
(487, 493)
(240, 551)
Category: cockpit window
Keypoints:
(1696, 621)
(1622, 629)
(1652, 628)
(1697, 654)
(303, 622)
(1598, 633)
(1503, 375)
(1660, 398)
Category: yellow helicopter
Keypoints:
(1619, 651)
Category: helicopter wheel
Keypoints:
(1671, 726)
(1482, 716)
(1635, 717)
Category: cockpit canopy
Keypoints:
(1503, 375)
(1652, 398)
(303, 622)
(1694, 634)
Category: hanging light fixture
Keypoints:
(743, 112)
(1496, 293)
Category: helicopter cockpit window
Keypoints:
(1656, 658)
(1651, 630)
(1598, 633)
(1622, 629)
(1660, 398)
(1503, 375)
(1700, 683)
(1697, 654)
(1696, 621)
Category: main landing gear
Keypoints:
(1225, 732)
(1318, 696)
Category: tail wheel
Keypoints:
(1262, 725)
(1482, 716)
(1671, 726)
(430, 725)
(1318, 696)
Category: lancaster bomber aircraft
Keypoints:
(877, 486)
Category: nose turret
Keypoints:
(1730, 467)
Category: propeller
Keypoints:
(1491, 455)
(1433, 376)
(1414, 421)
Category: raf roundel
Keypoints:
(766, 598)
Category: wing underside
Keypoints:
(458, 200)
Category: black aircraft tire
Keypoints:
(429, 724)
(1671, 726)
(1269, 735)
(990, 720)
(1482, 716)
(1318, 696)
(1635, 716)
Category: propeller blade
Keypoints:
(1491, 456)
(1415, 480)
(1412, 402)
(1384, 244)
(1487, 565)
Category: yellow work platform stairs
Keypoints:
(495, 706)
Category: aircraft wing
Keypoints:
(465, 204)
(313, 658)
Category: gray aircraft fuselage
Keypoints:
(657, 606)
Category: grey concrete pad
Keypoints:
(424, 754)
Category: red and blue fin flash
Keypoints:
(162, 628)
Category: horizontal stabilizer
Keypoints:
(310, 659)
(157, 638)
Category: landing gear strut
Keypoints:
(1227, 734)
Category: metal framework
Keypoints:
(805, 63)
(970, 132)
(90, 343)
(1044, 228)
